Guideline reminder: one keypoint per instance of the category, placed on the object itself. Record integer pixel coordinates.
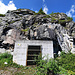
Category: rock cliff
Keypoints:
(26, 24)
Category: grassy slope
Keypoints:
(65, 64)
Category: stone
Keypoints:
(5, 63)
(40, 27)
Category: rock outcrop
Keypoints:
(25, 24)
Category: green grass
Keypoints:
(62, 21)
(64, 65)
(21, 70)
(53, 19)
(24, 30)
(47, 16)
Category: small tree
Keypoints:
(40, 12)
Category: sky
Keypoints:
(48, 6)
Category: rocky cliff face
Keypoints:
(26, 24)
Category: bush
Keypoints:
(45, 66)
(67, 61)
(69, 18)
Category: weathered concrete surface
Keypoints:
(20, 51)
(2, 50)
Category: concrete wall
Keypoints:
(20, 51)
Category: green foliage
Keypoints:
(21, 70)
(2, 15)
(41, 12)
(19, 9)
(63, 71)
(24, 30)
(62, 21)
(69, 18)
(62, 53)
(52, 13)
(47, 16)
(12, 21)
(65, 64)
(67, 61)
(6, 57)
(44, 66)
(53, 19)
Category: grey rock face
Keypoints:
(23, 24)
(11, 36)
(42, 32)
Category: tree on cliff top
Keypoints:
(40, 12)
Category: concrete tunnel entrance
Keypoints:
(33, 53)
(26, 51)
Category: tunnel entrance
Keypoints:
(32, 54)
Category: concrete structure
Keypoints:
(22, 47)
(2, 50)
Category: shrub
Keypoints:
(45, 66)
(41, 11)
(69, 18)
(67, 61)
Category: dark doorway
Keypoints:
(32, 54)
(74, 42)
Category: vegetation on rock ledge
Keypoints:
(2, 15)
